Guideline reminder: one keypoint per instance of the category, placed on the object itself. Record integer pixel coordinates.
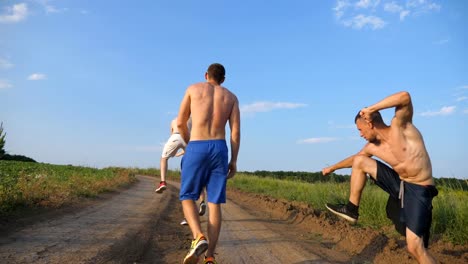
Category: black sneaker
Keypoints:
(342, 211)
(202, 209)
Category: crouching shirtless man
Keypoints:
(409, 179)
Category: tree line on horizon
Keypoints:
(6, 156)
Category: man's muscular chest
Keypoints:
(388, 153)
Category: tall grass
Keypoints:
(36, 184)
(449, 213)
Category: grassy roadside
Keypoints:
(26, 184)
(450, 213)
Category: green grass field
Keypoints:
(28, 184)
(450, 213)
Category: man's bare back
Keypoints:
(211, 107)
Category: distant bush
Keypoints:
(2, 141)
(16, 158)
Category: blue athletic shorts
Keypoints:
(204, 164)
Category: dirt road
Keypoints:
(137, 225)
(126, 228)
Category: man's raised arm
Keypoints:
(402, 103)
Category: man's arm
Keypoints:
(184, 114)
(234, 124)
(402, 103)
(346, 163)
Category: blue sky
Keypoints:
(96, 83)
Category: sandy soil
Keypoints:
(137, 225)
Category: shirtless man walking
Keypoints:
(409, 180)
(205, 163)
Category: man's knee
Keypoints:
(360, 161)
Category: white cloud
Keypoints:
(367, 3)
(446, 110)
(361, 21)
(442, 41)
(5, 84)
(422, 6)
(268, 106)
(393, 7)
(49, 8)
(462, 98)
(37, 77)
(404, 14)
(317, 140)
(340, 8)
(5, 64)
(359, 14)
(14, 14)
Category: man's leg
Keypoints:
(191, 215)
(199, 242)
(417, 249)
(163, 170)
(214, 227)
(362, 165)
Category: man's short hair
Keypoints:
(376, 117)
(217, 72)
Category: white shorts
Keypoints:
(173, 144)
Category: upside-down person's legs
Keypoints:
(214, 227)
(417, 249)
(362, 165)
(163, 167)
(191, 215)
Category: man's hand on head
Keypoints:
(366, 114)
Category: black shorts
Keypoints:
(416, 213)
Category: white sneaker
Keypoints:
(184, 222)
